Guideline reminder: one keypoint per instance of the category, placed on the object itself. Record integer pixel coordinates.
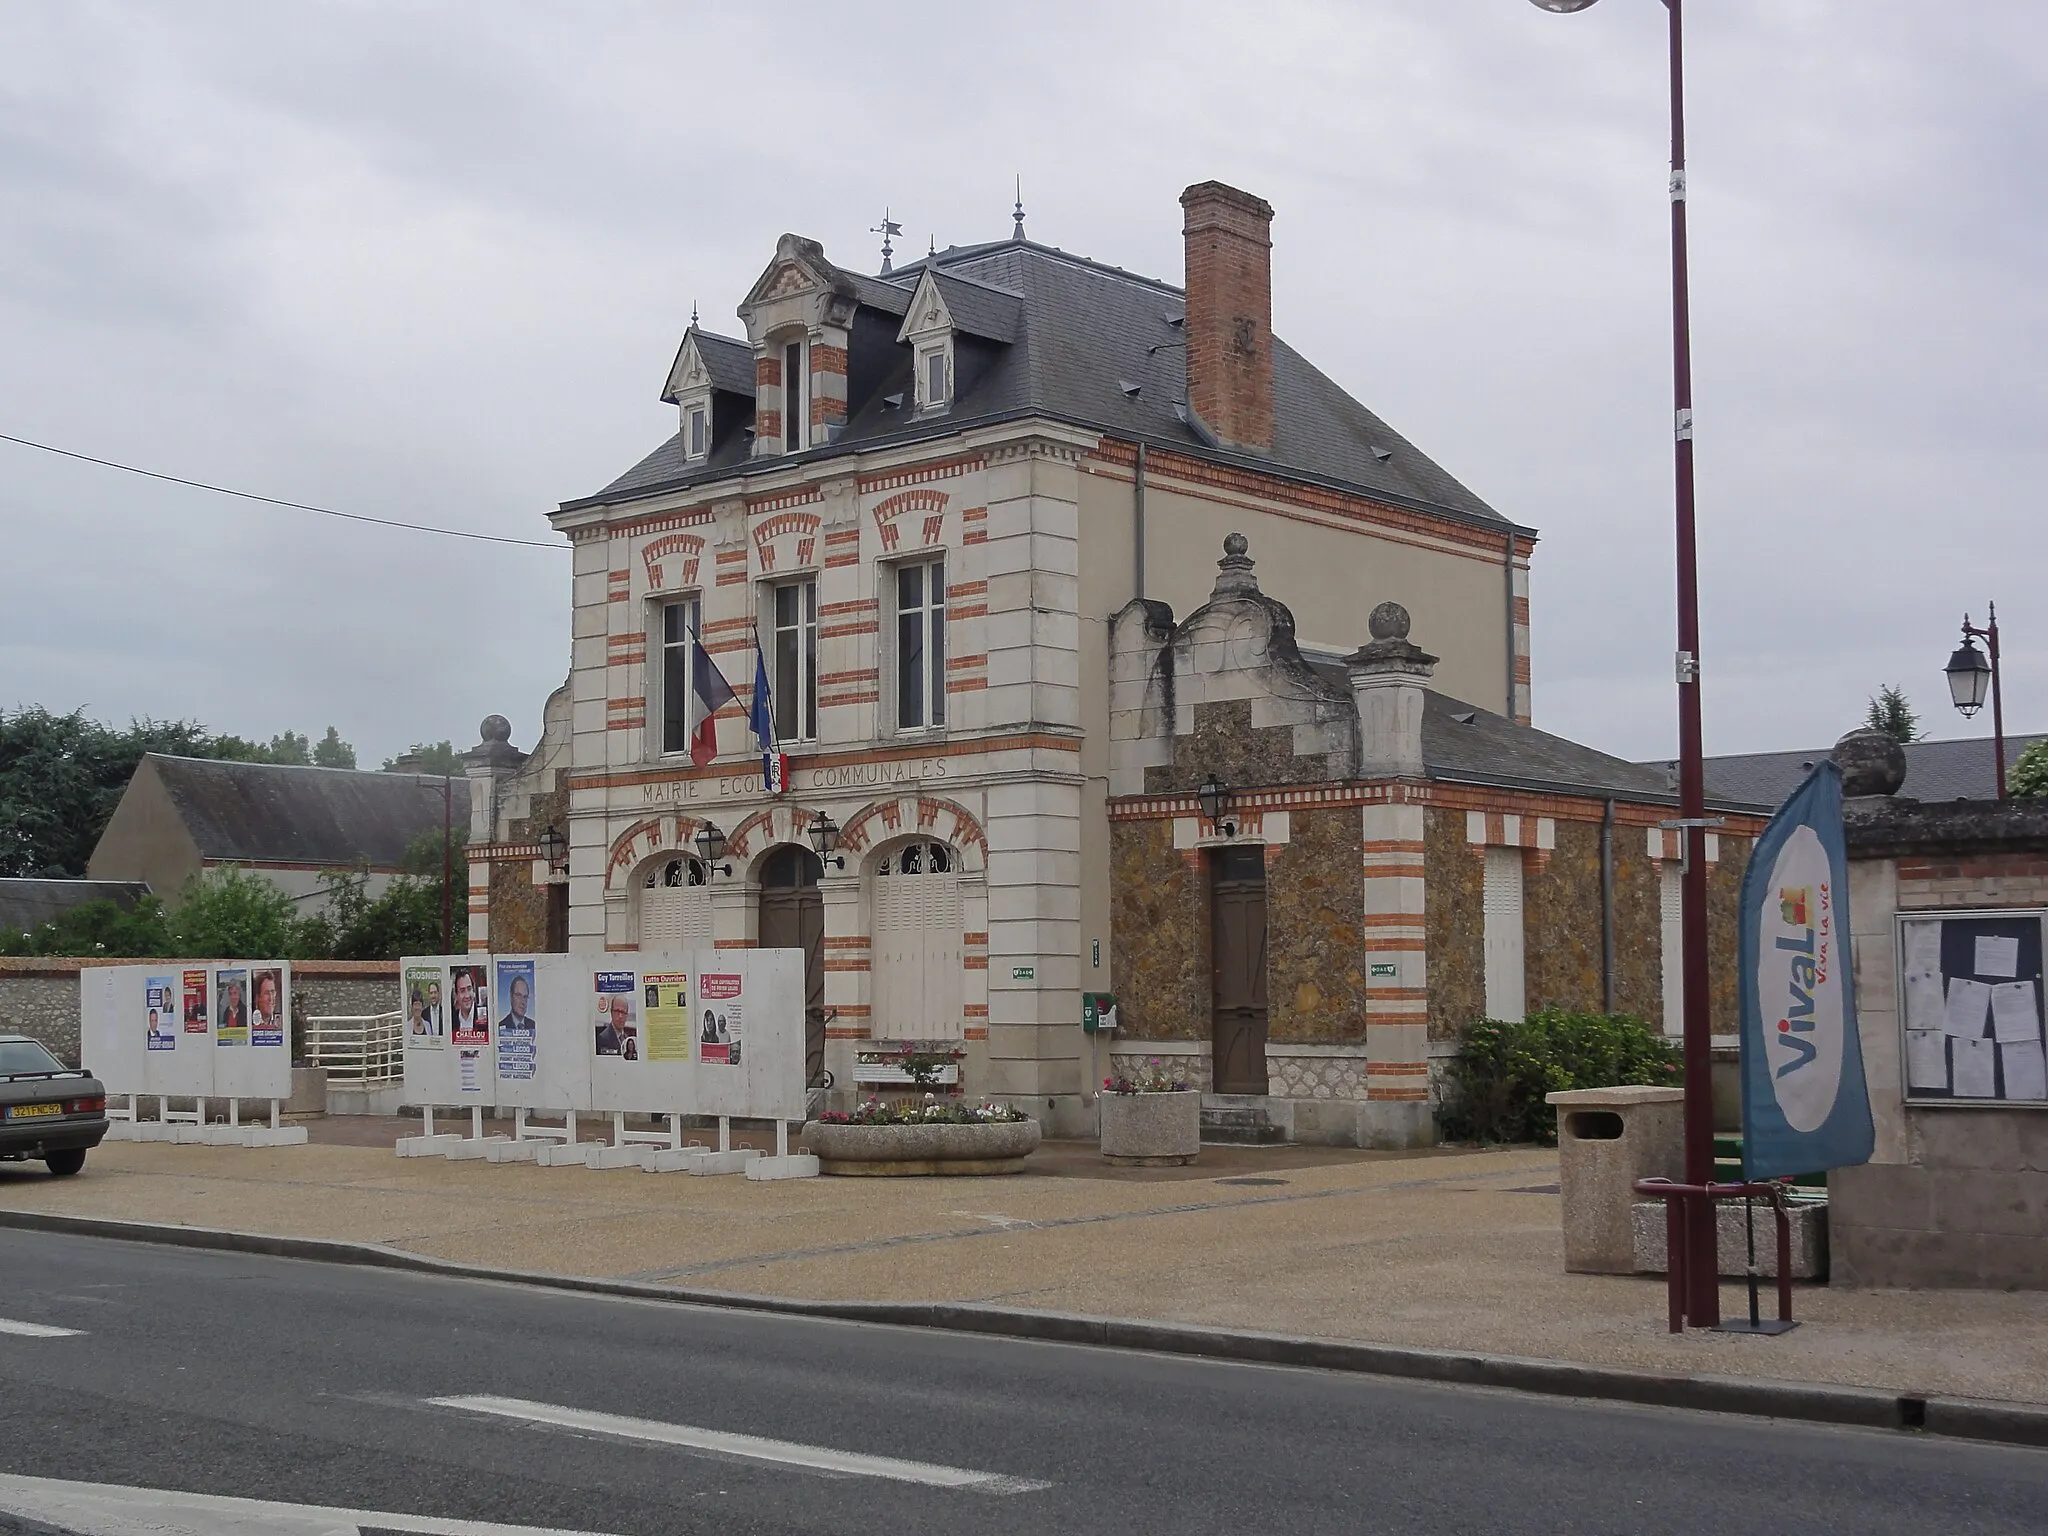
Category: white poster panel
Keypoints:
(448, 1059)
(541, 1034)
(251, 1005)
(774, 1056)
(108, 1048)
(721, 1009)
(177, 1028)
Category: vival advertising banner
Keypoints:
(1805, 1107)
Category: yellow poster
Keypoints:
(668, 1018)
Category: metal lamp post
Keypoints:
(1969, 672)
(1700, 1286)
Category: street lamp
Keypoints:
(824, 833)
(1699, 1291)
(711, 845)
(1970, 674)
(1214, 799)
(553, 848)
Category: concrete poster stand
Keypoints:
(704, 1033)
(197, 1030)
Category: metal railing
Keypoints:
(365, 1049)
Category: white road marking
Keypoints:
(752, 1447)
(37, 1330)
(105, 1509)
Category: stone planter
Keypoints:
(899, 1151)
(1151, 1130)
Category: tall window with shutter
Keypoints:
(1502, 902)
(917, 943)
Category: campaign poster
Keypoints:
(469, 1009)
(266, 1006)
(425, 1022)
(518, 1039)
(668, 1017)
(160, 997)
(231, 998)
(470, 1070)
(195, 1002)
(618, 1027)
(719, 1018)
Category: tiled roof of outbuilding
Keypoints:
(1061, 336)
(1935, 770)
(25, 904)
(272, 813)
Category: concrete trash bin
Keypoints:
(1607, 1138)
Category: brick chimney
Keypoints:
(1229, 261)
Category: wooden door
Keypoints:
(793, 917)
(1237, 938)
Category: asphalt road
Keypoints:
(311, 1384)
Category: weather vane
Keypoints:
(888, 229)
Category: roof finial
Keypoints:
(1017, 213)
(932, 249)
(888, 229)
(693, 314)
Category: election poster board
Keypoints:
(177, 1029)
(1970, 991)
(542, 1037)
(153, 1028)
(638, 1033)
(774, 1055)
(437, 1069)
(108, 1045)
(252, 1056)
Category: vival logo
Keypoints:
(1800, 986)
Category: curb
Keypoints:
(1959, 1418)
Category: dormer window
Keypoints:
(934, 375)
(698, 437)
(793, 380)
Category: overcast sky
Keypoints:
(431, 262)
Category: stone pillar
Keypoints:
(486, 765)
(1396, 1110)
(1388, 676)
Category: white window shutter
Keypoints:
(1502, 902)
(1670, 910)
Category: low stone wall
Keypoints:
(39, 997)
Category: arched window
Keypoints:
(675, 905)
(916, 942)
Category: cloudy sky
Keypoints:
(430, 262)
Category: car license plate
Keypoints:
(33, 1111)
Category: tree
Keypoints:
(332, 752)
(291, 748)
(1891, 713)
(427, 757)
(2028, 779)
(228, 912)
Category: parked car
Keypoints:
(47, 1110)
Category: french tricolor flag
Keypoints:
(713, 694)
(761, 719)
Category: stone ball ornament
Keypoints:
(1235, 544)
(1872, 763)
(495, 728)
(1389, 621)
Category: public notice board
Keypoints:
(1970, 1006)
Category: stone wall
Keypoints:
(1456, 917)
(39, 997)
(1638, 927)
(1969, 1207)
(1226, 743)
(1315, 927)
(519, 908)
(1563, 966)
(1724, 931)
(1160, 912)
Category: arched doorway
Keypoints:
(917, 942)
(1237, 953)
(675, 905)
(793, 917)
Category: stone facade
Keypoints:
(1315, 921)
(1456, 925)
(1159, 905)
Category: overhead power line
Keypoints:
(296, 506)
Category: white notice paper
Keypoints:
(1926, 1059)
(1923, 946)
(2013, 1016)
(2026, 1073)
(1975, 1061)
(1968, 1002)
(1925, 1004)
(1998, 957)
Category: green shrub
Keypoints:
(2029, 777)
(1503, 1069)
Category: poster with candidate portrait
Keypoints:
(231, 1007)
(469, 1007)
(193, 1005)
(266, 1005)
(518, 1035)
(160, 1000)
(618, 1021)
(720, 1018)
(426, 1025)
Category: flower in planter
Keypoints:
(1153, 1077)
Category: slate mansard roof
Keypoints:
(272, 813)
(1935, 770)
(1041, 332)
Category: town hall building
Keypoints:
(949, 510)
